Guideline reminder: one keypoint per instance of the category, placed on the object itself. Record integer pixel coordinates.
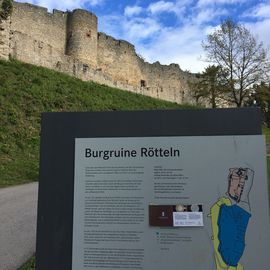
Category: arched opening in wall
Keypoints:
(143, 83)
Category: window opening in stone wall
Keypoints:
(85, 68)
(143, 83)
(88, 34)
(58, 65)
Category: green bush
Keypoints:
(6, 9)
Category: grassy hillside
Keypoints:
(26, 91)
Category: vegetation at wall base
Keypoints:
(29, 265)
(26, 91)
(6, 9)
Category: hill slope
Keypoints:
(26, 91)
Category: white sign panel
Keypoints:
(186, 219)
(154, 203)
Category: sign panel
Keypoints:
(155, 203)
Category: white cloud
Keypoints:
(141, 28)
(260, 11)
(208, 14)
(64, 5)
(202, 3)
(95, 2)
(161, 6)
(131, 11)
(177, 7)
(260, 30)
(132, 29)
(181, 45)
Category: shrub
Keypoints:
(6, 9)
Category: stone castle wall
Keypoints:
(4, 39)
(69, 42)
(40, 25)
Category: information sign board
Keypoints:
(156, 202)
(151, 190)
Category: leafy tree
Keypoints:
(6, 9)
(261, 97)
(210, 86)
(240, 56)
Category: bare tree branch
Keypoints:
(233, 48)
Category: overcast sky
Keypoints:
(170, 31)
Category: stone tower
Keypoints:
(82, 36)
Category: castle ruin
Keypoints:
(69, 42)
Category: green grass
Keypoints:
(266, 132)
(26, 91)
(29, 265)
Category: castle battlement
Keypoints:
(69, 41)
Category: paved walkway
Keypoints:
(18, 214)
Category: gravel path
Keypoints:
(18, 214)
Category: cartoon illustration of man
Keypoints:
(229, 218)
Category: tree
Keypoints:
(210, 86)
(261, 97)
(240, 56)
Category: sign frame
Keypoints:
(58, 133)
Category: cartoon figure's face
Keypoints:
(237, 178)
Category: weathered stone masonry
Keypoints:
(69, 42)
